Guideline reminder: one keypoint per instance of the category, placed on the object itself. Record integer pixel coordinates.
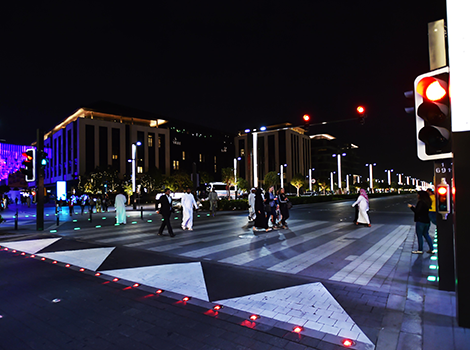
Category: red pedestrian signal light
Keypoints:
(360, 110)
(443, 198)
(433, 117)
(29, 163)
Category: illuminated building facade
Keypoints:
(10, 160)
(277, 145)
(101, 135)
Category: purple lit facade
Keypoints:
(10, 159)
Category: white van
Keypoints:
(221, 189)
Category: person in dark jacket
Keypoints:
(283, 207)
(261, 222)
(165, 208)
(421, 211)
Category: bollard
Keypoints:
(16, 220)
(142, 213)
(57, 215)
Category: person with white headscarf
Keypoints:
(363, 205)
(188, 203)
(120, 205)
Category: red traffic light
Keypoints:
(360, 110)
(432, 88)
(442, 190)
(27, 156)
(306, 118)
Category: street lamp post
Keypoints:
(235, 163)
(331, 182)
(338, 157)
(371, 180)
(310, 179)
(389, 176)
(282, 176)
(134, 154)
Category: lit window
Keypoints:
(150, 141)
(176, 165)
(215, 160)
(140, 170)
(183, 155)
(242, 152)
(115, 156)
(200, 157)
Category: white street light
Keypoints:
(389, 176)
(371, 180)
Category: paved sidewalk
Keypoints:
(409, 314)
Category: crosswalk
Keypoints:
(336, 251)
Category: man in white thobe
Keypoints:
(251, 202)
(120, 205)
(188, 203)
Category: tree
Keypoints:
(271, 179)
(229, 178)
(298, 181)
(242, 184)
(152, 180)
(99, 179)
(178, 182)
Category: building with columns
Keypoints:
(263, 151)
(101, 135)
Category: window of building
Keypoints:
(183, 155)
(242, 152)
(176, 165)
(200, 158)
(150, 141)
(115, 156)
(140, 170)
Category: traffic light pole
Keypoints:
(445, 230)
(461, 170)
(39, 182)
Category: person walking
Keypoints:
(165, 209)
(261, 222)
(71, 202)
(83, 201)
(283, 206)
(432, 209)
(422, 221)
(363, 205)
(120, 205)
(271, 205)
(251, 203)
(187, 204)
(213, 198)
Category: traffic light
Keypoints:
(361, 111)
(43, 160)
(433, 118)
(306, 120)
(443, 198)
(30, 165)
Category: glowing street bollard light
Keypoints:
(297, 329)
(254, 317)
(347, 343)
(159, 291)
(186, 298)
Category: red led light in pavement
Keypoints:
(5, 248)
(97, 274)
(43, 259)
(136, 285)
(23, 253)
(13, 251)
(254, 317)
(347, 343)
(186, 298)
(298, 329)
(159, 291)
(32, 256)
(217, 307)
(68, 265)
(82, 269)
(115, 279)
(54, 262)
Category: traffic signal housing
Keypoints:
(306, 120)
(361, 112)
(433, 117)
(443, 198)
(30, 165)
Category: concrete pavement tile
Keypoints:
(408, 341)
(388, 339)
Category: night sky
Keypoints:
(224, 64)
